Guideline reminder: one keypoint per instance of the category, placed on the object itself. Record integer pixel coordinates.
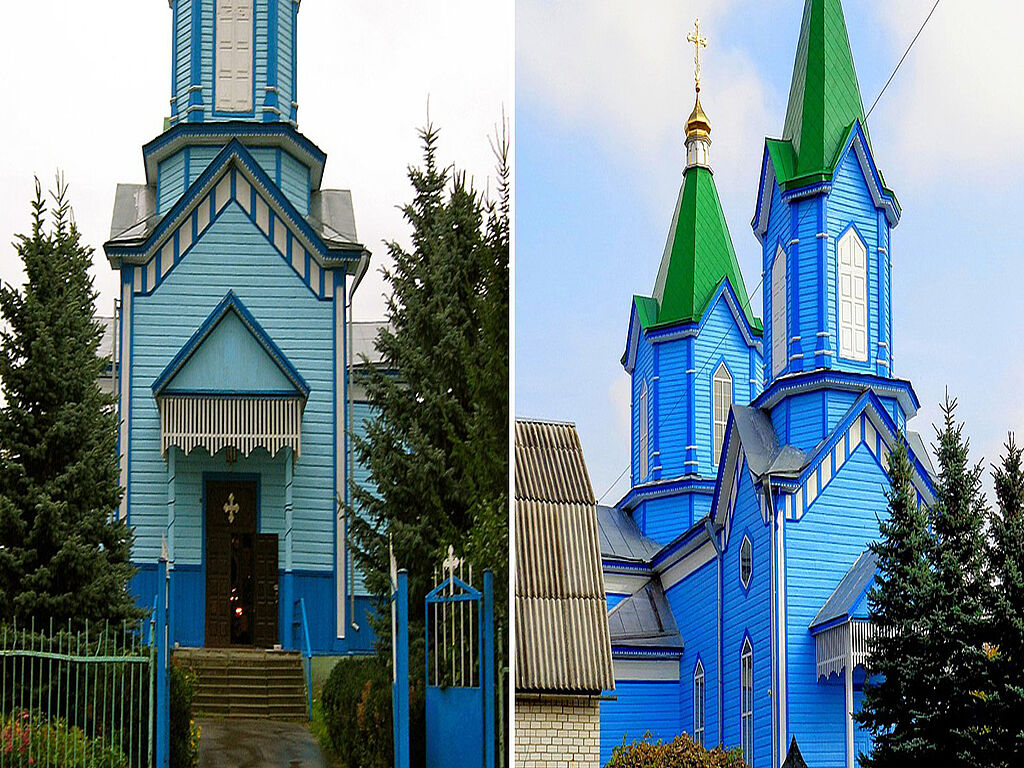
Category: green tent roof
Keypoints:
(824, 98)
(698, 255)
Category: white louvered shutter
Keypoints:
(234, 56)
(853, 297)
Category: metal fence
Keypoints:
(77, 698)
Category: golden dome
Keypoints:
(698, 124)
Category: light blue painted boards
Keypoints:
(230, 359)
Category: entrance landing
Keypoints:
(257, 744)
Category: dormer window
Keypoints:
(721, 385)
(853, 297)
(234, 56)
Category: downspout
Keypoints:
(361, 268)
(718, 553)
(775, 689)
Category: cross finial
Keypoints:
(698, 43)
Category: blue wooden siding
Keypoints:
(171, 182)
(696, 597)
(844, 516)
(234, 255)
(674, 402)
(362, 414)
(746, 612)
(777, 234)
(665, 517)
(639, 707)
(642, 371)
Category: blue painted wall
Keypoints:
(659, 703)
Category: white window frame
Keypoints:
(747, 545)
(852, 296)
(699, 691)
(779, 316)
(721, 401)
(234, 53)
(747, 701)
(644, 440)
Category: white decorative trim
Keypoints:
(652, 670)
(188, 422)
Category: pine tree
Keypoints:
(63, 553)
(957, 624)
(437, 449)
(897, 694)
(1006, 599)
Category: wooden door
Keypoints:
(230, 535)
(266, 590)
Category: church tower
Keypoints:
(693, 348)
(824, 218)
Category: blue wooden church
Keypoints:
(235, 386)
(736, 566)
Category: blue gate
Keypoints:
(400, 663)
(460, 669)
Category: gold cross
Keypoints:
(230, 508)
(698, 42)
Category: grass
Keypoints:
(318, 727)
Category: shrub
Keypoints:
(32, 742)
(681, 752)
(184, 731)
(356, 701)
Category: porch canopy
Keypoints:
(230, 386)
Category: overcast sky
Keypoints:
(86, 84)
(603, 88)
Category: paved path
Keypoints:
(257, 744)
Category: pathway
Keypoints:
(257, 744)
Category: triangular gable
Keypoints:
(230, 340)
(234, 176)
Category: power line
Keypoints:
(904, 56)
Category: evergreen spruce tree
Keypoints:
(897, 693)
(63, 553)
(957, 666)
(1005, 713)
(437, 449)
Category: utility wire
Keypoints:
(904, 56)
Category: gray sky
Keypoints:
(83, 89)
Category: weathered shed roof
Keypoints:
(364, 342)
(846, 600)
(562, 640)
(621, 538)
(644, 619)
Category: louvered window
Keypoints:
(780, 331)
(853, 297)
(644, 456)
(698, 704)
(234, 56)
(721, 385)
(747, 702)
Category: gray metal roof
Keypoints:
(364, 342)
(761, 445)
(134, 216)
(645, 619)
(920, 450)
(562, 640)
(332, 216)
(621, 538)
(106, 349)
(844, 600)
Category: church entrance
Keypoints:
(241, 569)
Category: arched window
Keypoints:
(747, 701)
(780, 329)
(698, 704)
(721, 386)
(233, 86)
(746, 562)
(643, 431)
(853, 297)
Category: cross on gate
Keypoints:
(451, 562)
(231, 508)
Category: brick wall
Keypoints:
(563, 732)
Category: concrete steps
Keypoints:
(246, 682)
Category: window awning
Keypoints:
(245, 423)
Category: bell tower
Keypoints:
(234, 60)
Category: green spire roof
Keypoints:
(824, 98)
(698, 255)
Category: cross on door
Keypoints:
(231, 508)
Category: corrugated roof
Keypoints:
(621, 538)
(645, 619)
(846, 597)
(364, 342)
(562, 640)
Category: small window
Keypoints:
(234, 56)
(746, 562)
(780, 331)
(747, 701)
(643, 431)
(721, 386)
(698, 704)
(853, 297)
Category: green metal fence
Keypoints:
(77, 698)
